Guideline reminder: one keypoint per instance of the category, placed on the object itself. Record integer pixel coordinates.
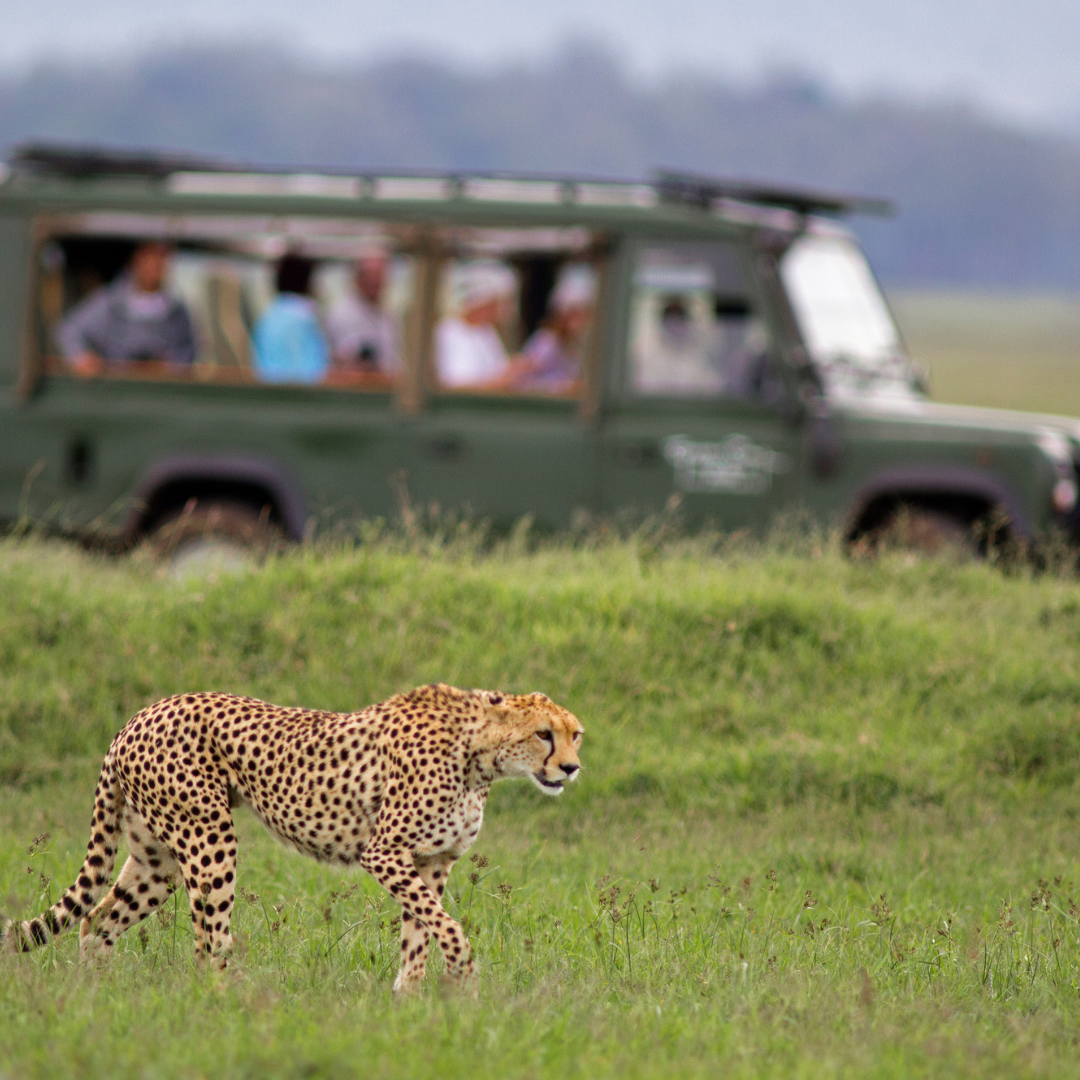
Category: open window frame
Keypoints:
(257, 239)
(523, 249)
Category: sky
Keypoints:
(1019, 59)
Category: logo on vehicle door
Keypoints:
(737, 465)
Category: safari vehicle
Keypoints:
(737, 354)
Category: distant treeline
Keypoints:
(980, 203)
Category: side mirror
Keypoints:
(920, 378)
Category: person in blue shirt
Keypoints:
(290, 346)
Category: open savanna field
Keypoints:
(827, 826)
(1004, 350)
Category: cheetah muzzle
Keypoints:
(398, 789)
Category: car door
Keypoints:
(696, 417)
(500, 458)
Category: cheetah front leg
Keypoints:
(395, 870)
(434, 871)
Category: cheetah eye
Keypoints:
(547, 736)
(577, 737)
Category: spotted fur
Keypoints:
(398, 788)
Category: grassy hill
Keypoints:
(1012, 351)
(827, 823)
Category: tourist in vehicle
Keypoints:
(550, 360)
(674, 353)
(363, 335)
(290, 346)
(133, 318)
(468, 349)
(740, 351)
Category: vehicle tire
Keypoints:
(204, 537)
(927, 531)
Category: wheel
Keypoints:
(930, 532)
(206, 537)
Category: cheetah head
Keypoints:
(536, 739)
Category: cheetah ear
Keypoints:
(495, 703)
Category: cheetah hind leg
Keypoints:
(145, 882)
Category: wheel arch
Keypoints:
(965, 493)
(170, 483)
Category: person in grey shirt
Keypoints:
(132, 318)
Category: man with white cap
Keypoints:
(468, 350)
(551, 358)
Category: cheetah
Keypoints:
(398, 789)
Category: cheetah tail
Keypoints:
(93, 878)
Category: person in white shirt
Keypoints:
(672, 353)
(363, 336)
(469, 354)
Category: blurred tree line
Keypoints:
(980, 203)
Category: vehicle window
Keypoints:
(515, 314)
(693, 328)
(845, 322)
(838, 305)
(297, 302)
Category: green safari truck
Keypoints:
(493, 345)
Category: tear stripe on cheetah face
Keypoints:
(398, 788)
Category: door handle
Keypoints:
(445, 448)
(639, 455)
(79, 466)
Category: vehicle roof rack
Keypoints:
(76, 161)
(705, 191)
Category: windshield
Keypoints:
(843, 318)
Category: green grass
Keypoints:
(827, 824)
(1005, 351)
